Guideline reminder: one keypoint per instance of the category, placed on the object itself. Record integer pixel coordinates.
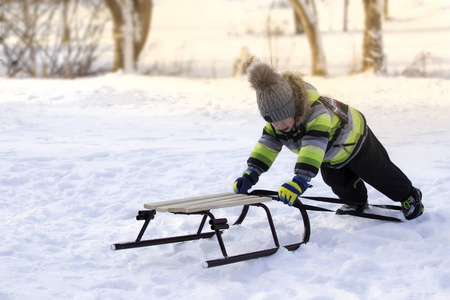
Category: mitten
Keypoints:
(244, 183)
(289, 191)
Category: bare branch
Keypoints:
(50, 38)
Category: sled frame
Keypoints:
(203, 206)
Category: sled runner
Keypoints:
(203, 206)
(365, 214)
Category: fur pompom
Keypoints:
(261, 76)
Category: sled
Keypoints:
(203, 206)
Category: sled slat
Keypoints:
(195, 207)
(177, 201)
(195, 204)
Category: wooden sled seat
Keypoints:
(196, 204)
(202, 206)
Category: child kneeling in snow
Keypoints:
(326, 134)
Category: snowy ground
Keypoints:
(80, 158)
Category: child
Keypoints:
(325, 134)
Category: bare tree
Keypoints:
(306, 11)
(386, 10)
(298, 24)
(346, 2)
(373, 37)
(132, 19)
(39, 42)
(2, 19)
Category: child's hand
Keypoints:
(244, 183)
(289, 191)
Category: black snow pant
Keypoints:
(372, 165)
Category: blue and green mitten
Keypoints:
(289, 191)
(244, 183)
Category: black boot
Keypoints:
(413, 207)
(351, 208)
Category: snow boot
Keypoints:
(413, 207)
(349, 208)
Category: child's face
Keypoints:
(284, 125)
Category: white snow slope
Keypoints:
(79, 158)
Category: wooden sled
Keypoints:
(203, 206)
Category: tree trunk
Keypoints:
(66, 40)
(345, 15)
(373, 37)
(143, 15)
(116, 13)
(306, 11)
(298, 24)
(386, 9)
(138, 20)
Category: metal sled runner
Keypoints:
(203, 206)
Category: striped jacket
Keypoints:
(331, 135)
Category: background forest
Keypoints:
(73, 38)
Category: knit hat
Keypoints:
(274, 94)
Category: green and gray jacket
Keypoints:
(331, 135)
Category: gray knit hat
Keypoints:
(274, 95)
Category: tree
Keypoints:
(132, 19)
(298, 24)
(373, 37)
(306, 11)
(346, 2)
(386, 10)
(49, 38)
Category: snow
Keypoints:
(79, 158)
